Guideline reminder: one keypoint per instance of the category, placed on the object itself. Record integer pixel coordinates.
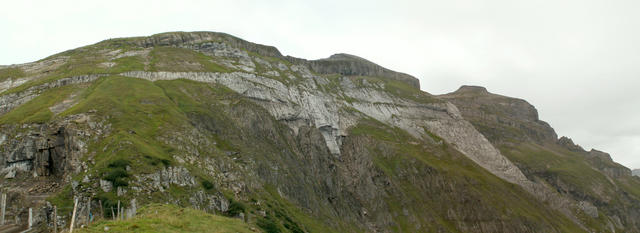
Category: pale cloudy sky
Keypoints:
(577, 61)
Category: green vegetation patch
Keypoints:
(171, 218)
(394, 87)
(11, 72)
(235, 208)
(37, 109)
(81, 61)
(124, 64)
(183, 60)
(283, 216)
(137, 111)
(569, 167)
(117, 172)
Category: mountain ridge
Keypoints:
(213, 122)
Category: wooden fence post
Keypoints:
(55, 219)
(30, 218)
(89, 212)
(4, 206)
(73, 216)
(118, 218)
(101, 208)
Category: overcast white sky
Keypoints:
(577, 61)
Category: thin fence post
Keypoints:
(118, 218)
(89, 212)
(4, 206)
(113, 215)
(30, 218)
(101, 208)
(55, 219)
(73, 216)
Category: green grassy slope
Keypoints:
(449, 177)
(171, 218)
(532, 145)
(571, 174)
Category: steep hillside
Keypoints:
(601, 193)
(211, 122)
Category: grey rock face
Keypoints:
(636, 172)
(43, 153)
(588, 209)
(306, 104)
(162, 180)
(346, 64)
(51, 149)
(603, 162)
(343, 64)
(174, 39)
(492, 113)
(171, 175)
(106, 185)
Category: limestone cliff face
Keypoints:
(501, 117)
(211, 121)
(344, 64)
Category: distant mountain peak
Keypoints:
(346, 56)
(351, 65)
(472, 89)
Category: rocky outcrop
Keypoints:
(41, 152)
(183, 39)
(343, 64)
(499, 117)
(597, 159)
(346, 64)
(603, 162)
(636, 172)
(568, 144)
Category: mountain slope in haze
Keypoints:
(212, 122)
(603, 190)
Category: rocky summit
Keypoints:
(188, 131)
